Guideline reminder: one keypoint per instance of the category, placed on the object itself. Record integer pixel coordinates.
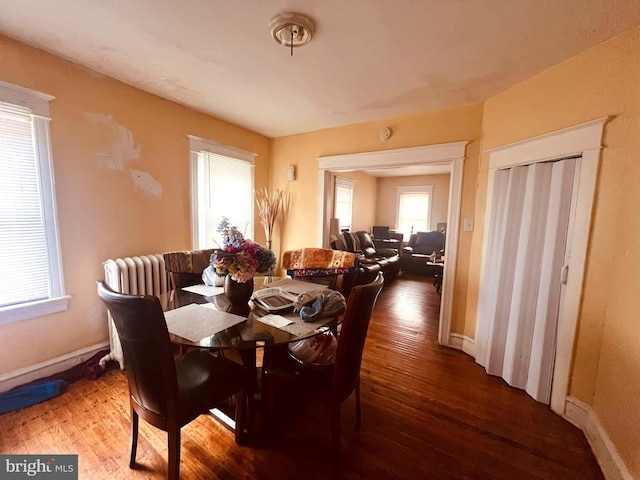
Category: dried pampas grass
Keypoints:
(270, 204)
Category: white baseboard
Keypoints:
(464, 343)
(49, 367)
(583, 417)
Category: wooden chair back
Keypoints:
(353, 333)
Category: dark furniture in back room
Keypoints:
(383, 237)
(416, 254)
(361, 243)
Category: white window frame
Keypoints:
(351, 185)
(428, 189)
(196, 145)
(38, 104)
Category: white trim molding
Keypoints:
(35, 101)
(50, 367)
(37, 104)
(584, 140)
(582, 416)
(197, 144)
(565, 142)
(450, 154)
(464, 343)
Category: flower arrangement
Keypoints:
(240, 258)
(270, 204)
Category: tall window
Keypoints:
(414, 209)
(31, 282)
(222, 186)
(343, 209)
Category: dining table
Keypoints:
(202, 317)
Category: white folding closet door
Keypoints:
(520, 290)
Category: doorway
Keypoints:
(448, 154)
(520, 296)
(583, 141)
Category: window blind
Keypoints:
(343, 209)
(413, 212)
(24, 276)
(225, 189)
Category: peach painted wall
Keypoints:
(452, 125)
(364, 199)
(604, 81)
(388, 197)
(110, 203)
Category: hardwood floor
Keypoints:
(427, 412)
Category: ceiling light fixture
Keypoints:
(292, 29)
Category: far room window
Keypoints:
(414, 209)
(31, 282)
(343, 209)
(221, 186)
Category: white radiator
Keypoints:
(144, 275)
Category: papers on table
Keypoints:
(293, 325)
(297, 286)
(205, 290)
(195, 322)
(275, 321)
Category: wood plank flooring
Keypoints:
(429, 412)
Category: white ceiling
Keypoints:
(368, 60)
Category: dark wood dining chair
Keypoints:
(168, 393)
(185, 267)
(338, 379)
(336, 269)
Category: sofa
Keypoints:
(421, 246)
(371, 258)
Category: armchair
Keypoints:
(421, 245)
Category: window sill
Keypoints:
(24, 311)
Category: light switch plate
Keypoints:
(467, 224)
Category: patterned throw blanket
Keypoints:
(188, 261)
(317, 258)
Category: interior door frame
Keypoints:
(584, 140)
(451, 154)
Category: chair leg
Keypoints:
(133, 444)
(241, 413)
(358, 415)
(335, 434)
(173, 443)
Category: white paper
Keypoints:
(300, 328)
(195, 322)
(275, 320)
(293, 325)
(205, 290)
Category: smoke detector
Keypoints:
(292, 29)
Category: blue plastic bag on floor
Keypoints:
(30, 394)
